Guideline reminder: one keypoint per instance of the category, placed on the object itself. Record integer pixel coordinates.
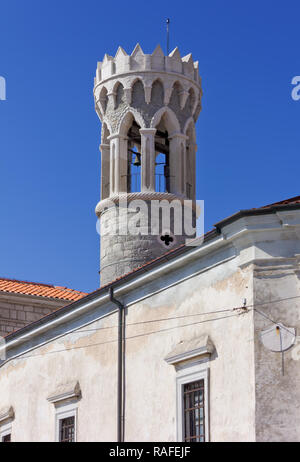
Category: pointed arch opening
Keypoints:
(118, 91)
(166, 124)
(157, 93)
(103, 98)
(162, 158)
(131, 171)
(175, 100)
(134, 162)
(137, 94)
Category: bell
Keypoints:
(137, 161)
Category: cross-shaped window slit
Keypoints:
(167, 239)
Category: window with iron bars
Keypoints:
(67, 430)
(6, 438)
(194, 411)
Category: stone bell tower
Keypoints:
(148, 105)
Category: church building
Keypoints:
(189, 338)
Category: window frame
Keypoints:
(5, 429)
(64, 412)
(185, 376)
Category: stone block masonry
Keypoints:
(16, 310)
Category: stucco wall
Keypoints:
(277, 296)
(27, 383)
(256, 259)
(150, 412)
(151, 382)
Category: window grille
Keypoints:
(6, 438)
(67, 430)
(194, 410)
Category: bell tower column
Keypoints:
(177, 163)
(105, 155)
(148, 159)
(118, 160)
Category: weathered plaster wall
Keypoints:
(276, 277)
(150, 384)
(27, 383)
(257, 259)
(150, 412)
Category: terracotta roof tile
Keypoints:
(292, 200)
(39, 290)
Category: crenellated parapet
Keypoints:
(160, 80)
(122, 63)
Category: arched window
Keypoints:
(130, 157)
(138, 94)
(119, 94)
(165, 122)
(157, 94)
(175, 100)
(103, 99)
(134, 158)
(162, 158)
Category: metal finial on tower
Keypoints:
(168, 35)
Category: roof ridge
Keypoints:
(282, 202)
(36, 289)
(52, 286)
(27, 282)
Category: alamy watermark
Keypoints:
(296, 90)
(2, 88)
(162, 218)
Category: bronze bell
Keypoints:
(137, 160)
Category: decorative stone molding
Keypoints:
(128, 69)
(289, 218)
(157, 61)
(6, 413)
(123, 120)
(145, 196)
(191, 349)
(174, 124)
(65, 392)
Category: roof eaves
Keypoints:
(171, 255)
(259, 211)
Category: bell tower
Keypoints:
(148, 105)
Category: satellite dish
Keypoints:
(278, 337)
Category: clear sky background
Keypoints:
(248, 132)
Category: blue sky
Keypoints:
(248, 132)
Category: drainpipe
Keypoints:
(120, 364)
